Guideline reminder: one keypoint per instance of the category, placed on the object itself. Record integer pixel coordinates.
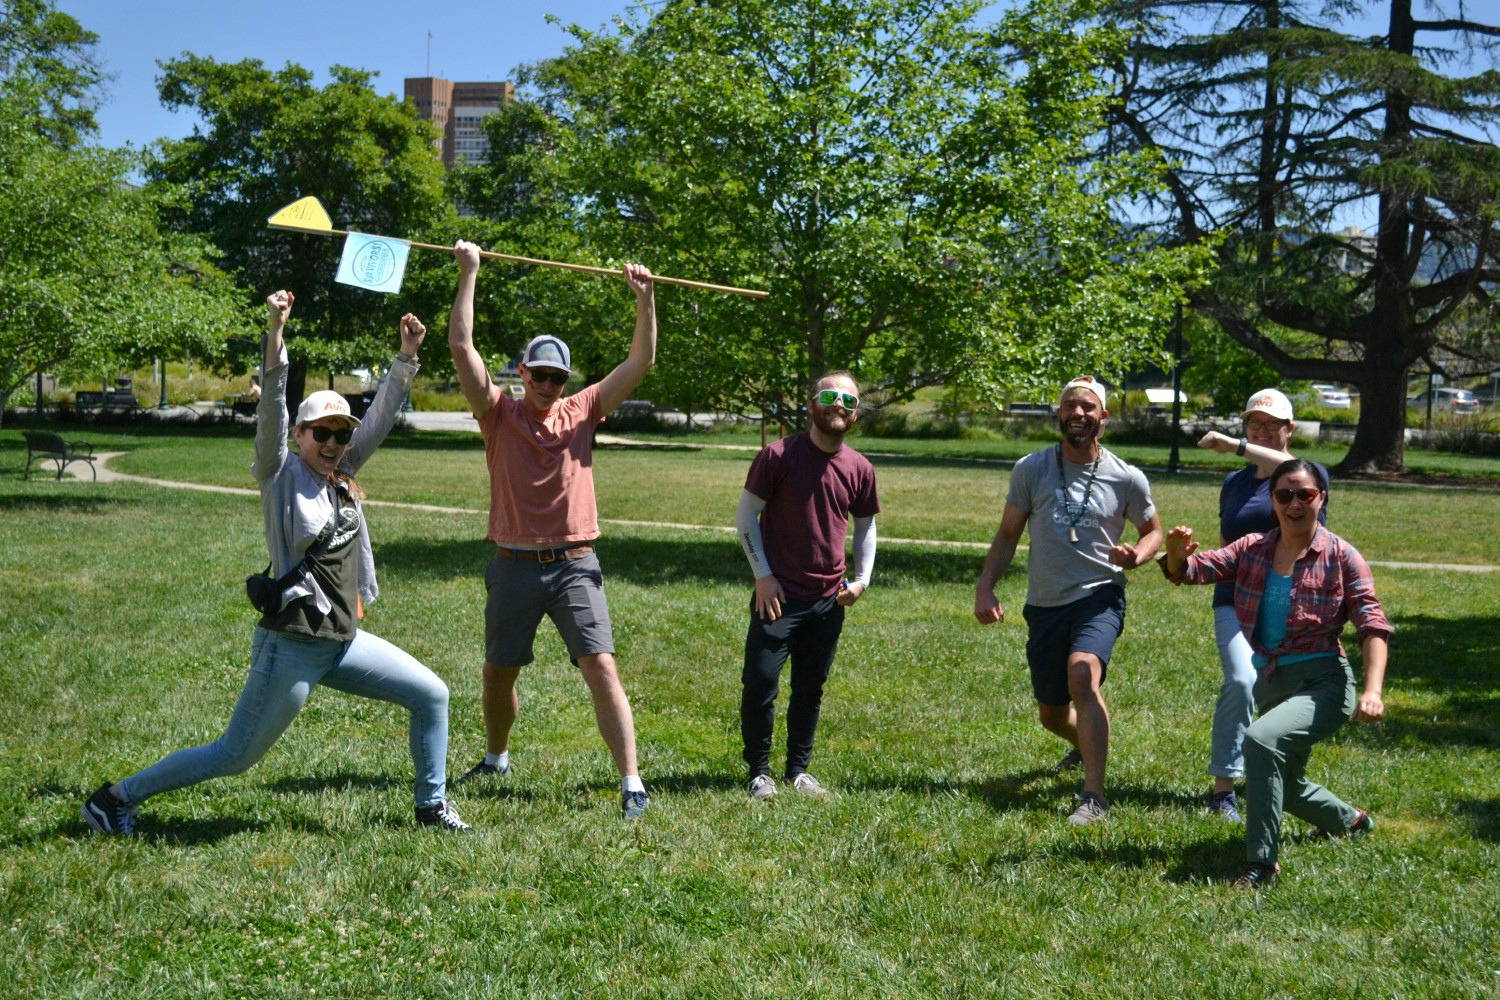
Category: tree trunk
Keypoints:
(1380, 438)
(296, 387)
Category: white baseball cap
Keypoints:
(1270, 402)
(1085, 382)
(325, 403)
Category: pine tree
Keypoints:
(1280, 124)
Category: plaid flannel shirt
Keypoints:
(1331, 585)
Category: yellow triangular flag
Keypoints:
(304, 215)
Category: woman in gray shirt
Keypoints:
(324, 574)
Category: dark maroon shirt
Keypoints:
(810, 496)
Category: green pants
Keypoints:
(1299, 704)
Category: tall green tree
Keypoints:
(909, 184)
(87, 281)
(267, 138)
(48, 65)
(1280, 123)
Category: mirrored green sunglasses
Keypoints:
(848, 400)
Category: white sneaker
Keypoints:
(808, 785)
(762, 787)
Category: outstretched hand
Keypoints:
(1123, 555)
(1180, 543)
(279, 306)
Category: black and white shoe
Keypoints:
(444, 817)
(107, 814)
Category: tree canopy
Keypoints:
(1279, 125)
(87, 281)
(267, 138)
(910, 185)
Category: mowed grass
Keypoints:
(942, 866)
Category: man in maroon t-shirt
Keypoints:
(792, 519)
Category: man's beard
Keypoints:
(825, 423)
(1083, 438)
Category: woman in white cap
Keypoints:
(1244, 508)
(322, 574)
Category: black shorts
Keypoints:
(1088, 625)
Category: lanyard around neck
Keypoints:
(1074, 516)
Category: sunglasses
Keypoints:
(556, 378)
(1307, 495)
(322, 434)
(848, 400)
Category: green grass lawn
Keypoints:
(943, 866)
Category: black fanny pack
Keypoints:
(265, 593)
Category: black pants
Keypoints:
(808, 632)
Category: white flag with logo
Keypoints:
(374, 262)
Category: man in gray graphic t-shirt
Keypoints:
(1074, 499)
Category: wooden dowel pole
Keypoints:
(588, 268)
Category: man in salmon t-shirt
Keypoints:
(543, 521)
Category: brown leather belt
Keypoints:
(544, 555)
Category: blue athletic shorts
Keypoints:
(1088, 625)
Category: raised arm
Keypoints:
(987, 608)
(473, 376)
(620, 383)
(1265, 459)
(385, 408)
(271, 420)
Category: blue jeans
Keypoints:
(1235, 709)
(284, 668)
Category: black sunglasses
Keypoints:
(322, 434)
(1306, 494)
(556, 378)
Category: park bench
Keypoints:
(44, 446)
(110, 399)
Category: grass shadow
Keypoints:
(684, 783)
(1458, 658)
(64, 503)
(1483, 816)
(646, 561)
(341, 781)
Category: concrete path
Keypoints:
(108, 475)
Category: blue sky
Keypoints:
(471, 40)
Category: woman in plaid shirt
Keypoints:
(1294, 588)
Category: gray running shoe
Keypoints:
(633, 804)
(1091, 808)
(762, 787)
(808, 785)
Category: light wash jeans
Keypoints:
(284, 669)
(1235, 709)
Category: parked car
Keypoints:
(1446, 400)
(1329, 397)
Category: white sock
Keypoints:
(500, 760)
(632, 783)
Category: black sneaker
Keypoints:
(483, 770)
(633, 804)
(1258, 875)
(107, 814)
(1071, 761)
(444, 817)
